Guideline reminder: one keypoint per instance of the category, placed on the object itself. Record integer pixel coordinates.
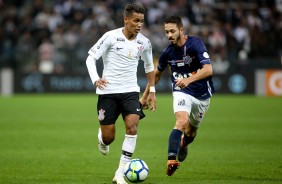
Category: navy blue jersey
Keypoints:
(186, 61)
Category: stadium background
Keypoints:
(45, 43)
(48, 122)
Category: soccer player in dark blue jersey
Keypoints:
(192, 87)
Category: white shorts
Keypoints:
(196, 108)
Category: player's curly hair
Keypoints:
(174, 19)
(131, 8)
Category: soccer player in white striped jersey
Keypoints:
(118, 92)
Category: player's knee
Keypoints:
(131, 123)
(191, 133)
(131, 129)
(108, 139)
(181, 123)
(191, 130)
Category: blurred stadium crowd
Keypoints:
(55, 36)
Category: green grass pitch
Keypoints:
(53, 139)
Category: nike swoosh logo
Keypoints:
(127, 154)
(138, 109)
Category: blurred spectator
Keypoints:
(237, 34)
(217, 42)
(254, 20)
(59, 53)
(46, 56)
(242, 61)
(220, 66)
(232, 47)
(241, 34)
(71, 39)
(25, 54)
(54, 20)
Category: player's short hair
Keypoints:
(174, 20)
(131, 8)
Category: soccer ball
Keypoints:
(136, 171)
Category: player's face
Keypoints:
(134, 23)
(173, 33)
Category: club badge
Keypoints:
(187, 60)
(101, 115)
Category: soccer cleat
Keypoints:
(183, 151)
(119, 180)
(172, 165)
(104, 149)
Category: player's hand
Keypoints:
(152, 102)
(101, 83)
(182, 83)
(144, 103)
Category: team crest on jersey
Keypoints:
(129, 53)
(101, 115)
(140, 51)
(187, 60)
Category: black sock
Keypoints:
(174, 143)
(187, 139)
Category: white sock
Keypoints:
(128, 148)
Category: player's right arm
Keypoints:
(92, 69)
(94, 54)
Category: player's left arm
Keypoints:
(206, 69)
(205, 72)
(149, 100)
